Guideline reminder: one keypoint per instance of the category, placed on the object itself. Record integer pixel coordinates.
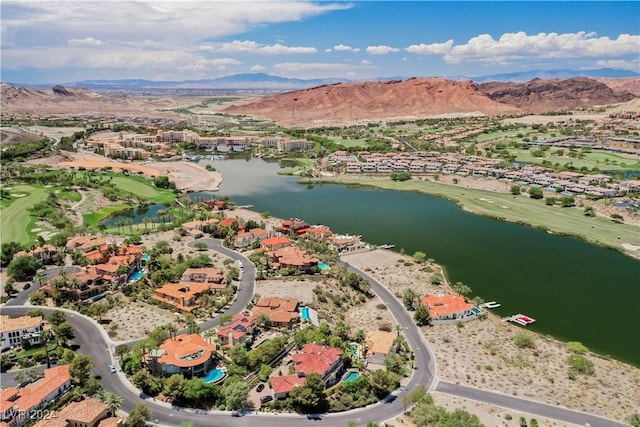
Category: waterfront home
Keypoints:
(281, 312)
(378, 345)
(187, 354)
(318, 232)
(18, 331)
(344, 242)
(18, 405)
(239, 330)
(292, 226)
(199, 225)
(244, 239)
(446, 309)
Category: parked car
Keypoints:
(260, 387)
(26, 286)
(265, 399)
(112, 369)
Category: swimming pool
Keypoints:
(136, 275)
(351, 376)
(145, 256)
(213, 376)
(323, 266)
(305, 313)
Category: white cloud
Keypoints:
(86, 42)
(511, 47)
(619, 64)
(430, 49)
(315, 69)
(248, 46)
(258, 68)
(345, 48)
(365, 62)
(381, 50)
(327, 50)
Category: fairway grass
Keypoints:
(520, 209)
(143, 189)
(16, 222)
(591, 160)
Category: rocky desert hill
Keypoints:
(340, 102)
(417, 98)
(539, 96)
(631, 84)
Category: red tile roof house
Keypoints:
(87, 413)
(187, 354)
(276, 242)
(203, 275)
(181, 296)
(292, 257)
(293, 226)
(17, 404)
(323, 360)
(448, 309)
(282, 312)
(109, 270)
(316, 232)
(238, 330)
(44, 253)
(91, 284)
(228, 223)
(245, 239)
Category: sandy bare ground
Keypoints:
(187, 176)
(483, 354)
(302, 290)
(136, 320)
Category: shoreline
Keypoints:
(471, 196)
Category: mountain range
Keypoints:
(263, 81)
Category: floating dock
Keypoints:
(387, 246)
(520, 319)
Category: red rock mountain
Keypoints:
(412, 98)
(416, 98)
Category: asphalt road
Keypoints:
(22, 297)
(93, 341)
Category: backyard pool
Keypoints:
(351, 376)
(304, 313)
(214, 375)
(136, 275)
(145, 256)
(323, 266)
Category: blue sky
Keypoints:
(65, 41)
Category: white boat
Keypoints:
(490, 304)
(387, 246)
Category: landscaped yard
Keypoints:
(16, 222)
(350, 142)
(143, 189)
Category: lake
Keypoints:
(577, 291)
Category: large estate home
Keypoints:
(276, 242)
(17, 405)
(281, 312)
(449, 309)
(86, 413)
(81, 286)
(203, 275)
(185, 354)
(292, 257)
(18, 331)
(195, 282)
(43, 253)
(312, 358)
(239, 330)
(244, 239)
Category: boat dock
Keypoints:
(490, 304)
(520, 319)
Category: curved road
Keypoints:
(87, 331)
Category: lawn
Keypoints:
(16, 223)
(296, 166)
(520, 209)
(603, 161)
(350, 142)
(72, 195)
(143, 189)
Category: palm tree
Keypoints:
(172, 329)
(112, 400)
(45, 337)
(39, 277)
(210, 334)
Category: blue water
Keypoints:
(352, 376)
(305, 313)
(213, 376)
(135, 276)
(145, 257)
(323, 266)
